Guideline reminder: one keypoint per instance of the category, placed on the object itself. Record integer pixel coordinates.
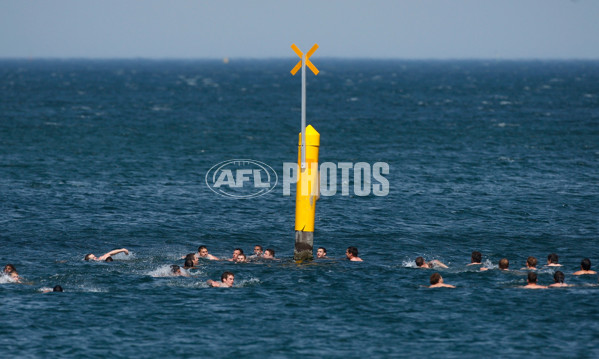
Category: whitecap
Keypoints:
(247, 282)
(6, 279)
(409, 264)
(165, 271)
(124, 257)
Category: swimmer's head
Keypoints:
(552, 258)
(435, 278)
(558, 277)
(504, 264)
(240, 258)
(476, 257)
(175, 269)
(10, 269)
(236, 252)
(269, 253)
(109, 259)
(90, 256)
(203, 251)
(188, 263)
(353, 251)
(192, 257)
(532, 278)
(57, 288)
(585, 264)
(419, 261)
(258, 250)
(227, 278)
(321, 252)
(531, 262)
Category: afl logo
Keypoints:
(241, 178)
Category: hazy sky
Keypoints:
(408, 29)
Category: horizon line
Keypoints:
(242, 58)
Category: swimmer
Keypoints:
(189, 263)
(203, 253)
(269, 253)
(476, 258)
(437, 282)
(92, 257)
(176, 271)
(531, 263)
(532, 282)
(352, 254)
(552, 260)
(56, 288)
(241, 258)
(227, 279)
(258, 252)
(585, 268)
(12, 273)
(321, 253)
(503, 265)
(558, 277)
(236, 252)
(191, 260)
(421, 263)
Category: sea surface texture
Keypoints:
(501, 157)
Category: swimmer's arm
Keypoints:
(437, 263)
(213, 258)
(213, 283)
(113, 252)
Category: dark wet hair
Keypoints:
(87, 256)
(353, 251)
(271, 251)
(259, 246)
(188, 263)
(109, 259)
(435, 278)
(531, 261)
(238, 249)
(552, 258)
(504, 263)
(175, 268)
(558, 277)
(10, 268)
(586, 264)
(225, 275)
(419, 261)
(202, 247)
(532, 277)
(476, 257)
(57, 288)
(191, 256)
(324, 249)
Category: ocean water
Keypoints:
(496, 156)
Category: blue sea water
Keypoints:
(496, 156)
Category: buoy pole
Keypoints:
(308, 186)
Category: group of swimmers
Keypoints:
(436, 280)
(351, 254)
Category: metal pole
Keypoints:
(303, 164)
